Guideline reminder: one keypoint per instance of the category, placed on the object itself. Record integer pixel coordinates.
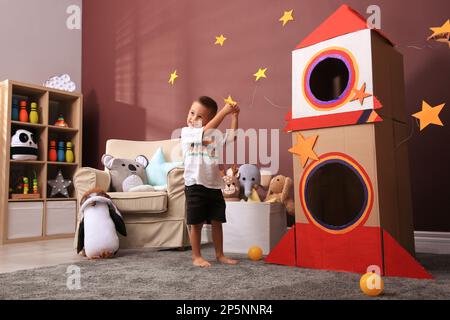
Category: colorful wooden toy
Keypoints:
(26, 185)
(23, 114)
(61, 122)
(52, 154)
(61, 153)
(69, 152)
(35, 184)
(34, 117)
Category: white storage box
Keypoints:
(253, 224)
(61, 217)
(25, 219)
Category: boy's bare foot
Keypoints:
(200, 262)
(226, 260)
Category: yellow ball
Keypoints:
(371, 284)
(255, 253)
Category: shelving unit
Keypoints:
(48, 218)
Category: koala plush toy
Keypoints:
(127, 175)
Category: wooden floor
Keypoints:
(38, 254)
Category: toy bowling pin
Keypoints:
(52, 155)
(34, 117)
(69, 153)
(15, 110)
(61, 153)
(23, 115)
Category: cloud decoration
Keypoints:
(62, 82)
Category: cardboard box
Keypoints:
(352, 197)
(376, 148)
(253, 224)
(60, 217)
(25, 219)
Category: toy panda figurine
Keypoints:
(99, 220)
(24, 146)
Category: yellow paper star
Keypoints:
(360, 94)
(260, 74)
(173, 76)
(220, 40)
(439, 32)
(230, 101)
(304, 148)
(287, 17)
(429, 115)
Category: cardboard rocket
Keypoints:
(352, 196)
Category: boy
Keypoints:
(203, 182)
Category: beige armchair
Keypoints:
(153, 219)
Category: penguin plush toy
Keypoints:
(100, 220)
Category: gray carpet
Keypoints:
(148, 274)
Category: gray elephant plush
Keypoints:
(127, 175)
(249, 179)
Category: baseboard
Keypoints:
(432, 242)
(426, 241)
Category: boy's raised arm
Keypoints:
(218, 118)
(234, 125)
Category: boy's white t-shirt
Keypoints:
(201, 157)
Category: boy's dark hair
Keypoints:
(209, 104)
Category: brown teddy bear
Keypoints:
(279, 189)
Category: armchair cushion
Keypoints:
(140, 202)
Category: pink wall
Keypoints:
(130, 47)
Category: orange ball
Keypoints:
(255, 253)
(371, 284)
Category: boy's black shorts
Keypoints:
(204, 205)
